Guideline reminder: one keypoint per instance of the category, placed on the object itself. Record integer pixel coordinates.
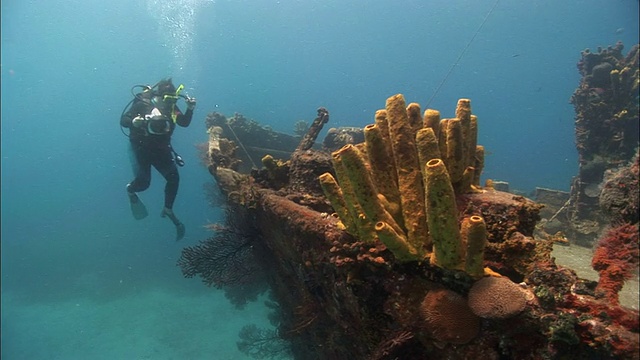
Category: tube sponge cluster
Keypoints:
(400, 185)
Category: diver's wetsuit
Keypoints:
(149, 149)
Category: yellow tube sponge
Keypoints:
(408, 170)
(396, 243)
(455, 150)
(472, 141)
(269, 163)
(363, 188)
(277, 170)
(474, 235)
(364, 228)
(432, 120)
(383, 125)
(479, 164)
(427, 146)
(381, 162)
(333, 192)
(463, 113)
(442, 217)
(463, 109)
(392, 208)
(464, 185)
(615, 81)
(442, 138)
(414, 116)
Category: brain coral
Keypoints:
(447, 318)
(496, 298)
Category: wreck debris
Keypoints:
(607, 132)
(300, 128)
(619, 198)
(314, 130)
(305, 167)
(339, 137)
(253, 140)
(221, 151)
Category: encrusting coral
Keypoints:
(447, 317)
(615, 259)
(277, 170)
(400, 186)
(496, 298)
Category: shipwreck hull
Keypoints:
(342, 299)
(344, 294)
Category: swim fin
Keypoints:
(138, 210)
(180, 229)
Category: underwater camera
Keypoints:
(158, 124)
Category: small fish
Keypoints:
(515, 55)
(619, 30)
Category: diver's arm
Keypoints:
(184, 120)
(127, 117)
(125, 120)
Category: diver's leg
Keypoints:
(165, 165)
(168, 169)
(141, 165)
(142, 172)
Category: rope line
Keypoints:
(446, 77)
(242, 146)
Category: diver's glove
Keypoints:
(138, 121)
(191, 103)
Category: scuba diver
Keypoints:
(152, 116)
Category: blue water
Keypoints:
(82, 280)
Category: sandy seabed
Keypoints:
(154, 324)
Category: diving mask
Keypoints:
(173, 98)
(170, 99)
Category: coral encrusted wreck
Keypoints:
(607, 139)
(391, 249)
